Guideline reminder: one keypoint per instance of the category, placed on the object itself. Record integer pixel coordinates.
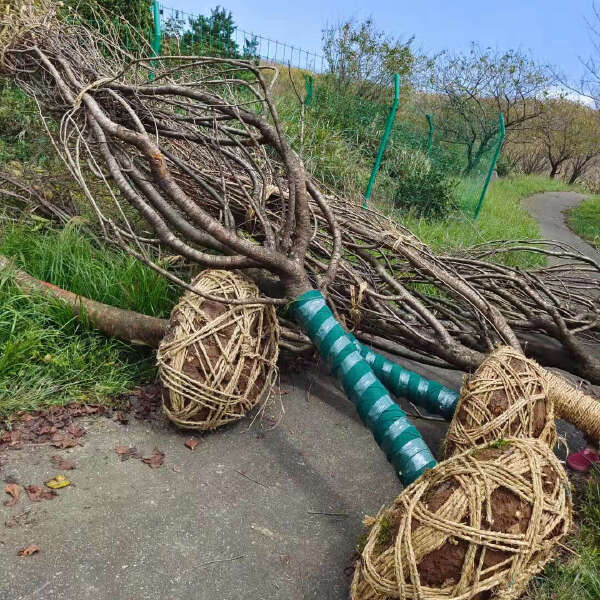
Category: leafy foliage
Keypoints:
(208, 36)
(74, 261)
(365, 58)
(422, 187)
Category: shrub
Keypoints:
(422, 187)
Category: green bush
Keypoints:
(422, 187)
(505, 166)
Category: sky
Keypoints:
(554, 31)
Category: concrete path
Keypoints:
(549, 210)
(266, 511)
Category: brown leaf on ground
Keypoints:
(62, 441)
(31, 549)
(37, 493)
(41, 426)
(14, 491)
(61, 464)
(156, 460)
(192, 443)
(127, 452)
(146, 401)
(11, 438)
(76, 431)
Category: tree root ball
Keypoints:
(506, 397)
(477, 526)
(217, 360)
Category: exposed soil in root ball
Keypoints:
(480, 523)
(507, 397)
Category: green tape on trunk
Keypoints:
(395, 434)
(432, 396)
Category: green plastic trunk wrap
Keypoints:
(395, 434)
(430, 395)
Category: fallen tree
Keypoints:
(196, 162)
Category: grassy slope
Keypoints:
(585, 220)
(502, 217)
(47, 356)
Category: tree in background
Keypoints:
(568, 132)
(364, 58)
(206, 36)
(213, 35)
(468, 91)
(561, 142)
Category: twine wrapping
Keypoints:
(574, 406)
(218, 361)
(507, 397)
(478, 525)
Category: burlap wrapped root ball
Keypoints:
(506, 397)
(477, 526)
(218, 360)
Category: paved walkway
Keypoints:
(261, 512)
(549, 208)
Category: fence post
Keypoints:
(156, 35)
(430, 135)
(492, 165)
(308, 86)
(384, 139)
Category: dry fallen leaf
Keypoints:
(127, 452)
(13, 490)
(31, 549)
(192, 443)
(76, 431)
(156, 460)
(37, 493)
(60, 440)
(60, 481)
(60, 463)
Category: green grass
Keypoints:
(76, 262)
(502, 217)
(584, 220)
(576, 575)
(46, 355)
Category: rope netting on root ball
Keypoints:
(506, 397)
(477, 526)
(217, 360)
